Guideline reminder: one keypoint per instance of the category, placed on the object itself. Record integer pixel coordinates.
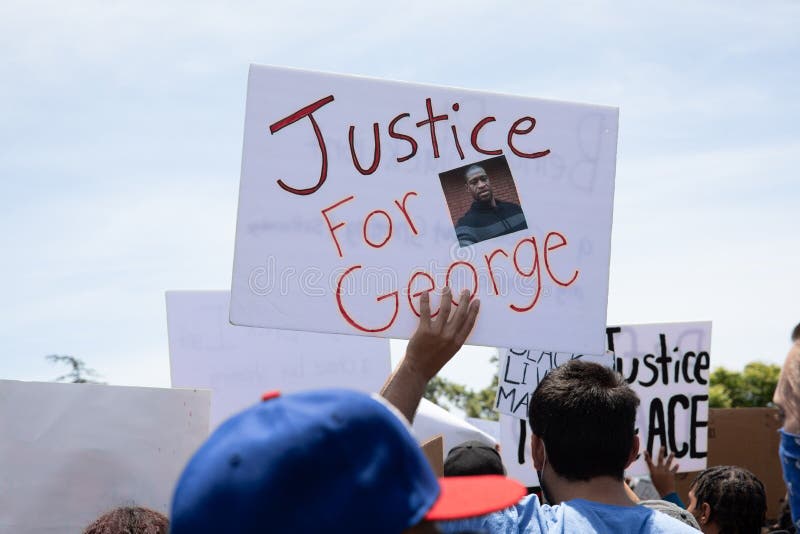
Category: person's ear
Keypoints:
(537, 452)
(705, 513)
(634, 450)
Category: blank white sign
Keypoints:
(71, 452)
(239, 364)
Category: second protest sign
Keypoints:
(667, 365)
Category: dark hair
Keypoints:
(473, 168)
(585, 414)
(737, 499)
(130, 520)
(796, 333)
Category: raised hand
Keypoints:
(433, 344)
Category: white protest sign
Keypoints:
(432, 420)
(71, 452)
(357, 195)
(515, 450)
(239, 364)
(521, 370)
(668, 367)
(489, 427)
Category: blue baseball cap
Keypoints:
(328, 460)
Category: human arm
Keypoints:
(787, 392)
(433, 344)
(787, 399)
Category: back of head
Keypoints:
(473, 458)
(129, 520)
(737, 499)
(796, 333)
(585, 415)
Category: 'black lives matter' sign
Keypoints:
(666, 364)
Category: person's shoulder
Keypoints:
(672, 510)
(467, 217)
(523, 517)
(664, 524)
(509, 207)
(590, 516)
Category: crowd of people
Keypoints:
(341, 461)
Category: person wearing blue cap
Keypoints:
(582, 418)
(328, 461)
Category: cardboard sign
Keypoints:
(71, 452)
(239, 364)
(748, 438)
(668, 367)
(522, 370)
(433, 449)
(357, 195)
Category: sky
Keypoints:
(121, 136)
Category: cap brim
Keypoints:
(463, 497)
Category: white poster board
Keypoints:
(515, 450)
(521, 370)
(432, 420)
(339, 233)
(668, 367)
(71, 452)
(491, 428)
(239, 364)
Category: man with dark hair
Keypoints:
(488, 216)
(728, 499)
(583, 421)
(595, 401)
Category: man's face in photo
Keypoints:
(478, 184)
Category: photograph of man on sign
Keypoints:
(474, 193)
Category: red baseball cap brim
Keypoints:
(464, 497)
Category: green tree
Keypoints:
(752, 387)
(78, 374)
(718, 397)
(478, 403)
